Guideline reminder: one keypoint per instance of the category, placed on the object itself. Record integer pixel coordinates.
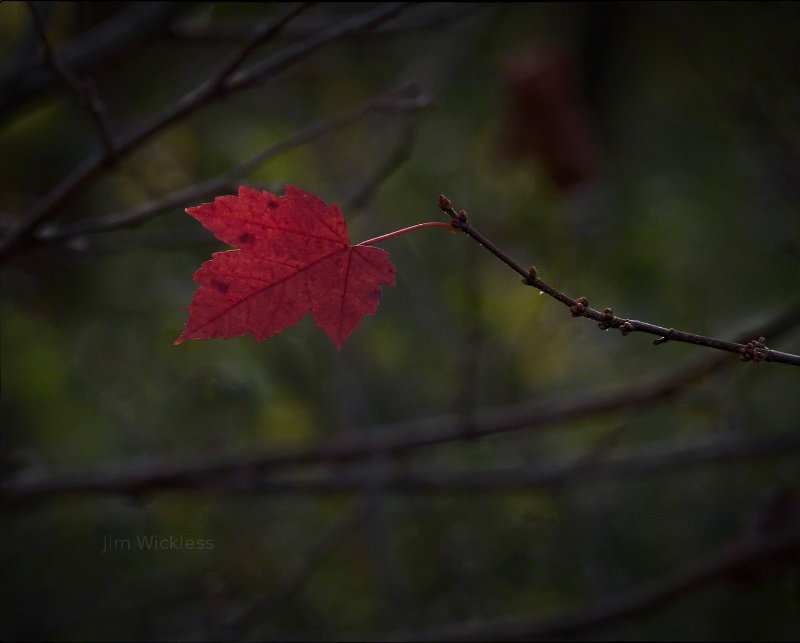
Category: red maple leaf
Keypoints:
(294, 257)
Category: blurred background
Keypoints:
(473, 462)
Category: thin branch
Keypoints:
(398, 100)
(210, 90)
(85, 89)
(753, 350)
(265, 32)
(271, 67)
(399, 155)
(234, 30)
(736, 556)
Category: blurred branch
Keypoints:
(293, 579)
(207, 92)
(268, 68)
(775, 139)
(246, 479)
(754, 350)
(429, 16)
(644, 462)
(101, 42)
(406, 99)
(263, 33)
(389, 439)
(84, 89)
(399, 155)
(737, 556)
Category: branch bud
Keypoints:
(532, 276)
(444, 203)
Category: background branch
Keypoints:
(428, 16)
(293, 579)
(398, 155)
(105, 41)
(781, 549)
(403, 100)
(208, 91)
(266, 31)
(85, 89)
(249, 479)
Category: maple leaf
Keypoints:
(294, 257)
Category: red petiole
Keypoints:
(397, 233)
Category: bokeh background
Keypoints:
(646, 156)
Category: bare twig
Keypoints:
(84, 89)
(265, 32)
(210, 90)
(755, 349)
(736, 556)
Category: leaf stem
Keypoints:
(397, 233)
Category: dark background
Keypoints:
(644, 155)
